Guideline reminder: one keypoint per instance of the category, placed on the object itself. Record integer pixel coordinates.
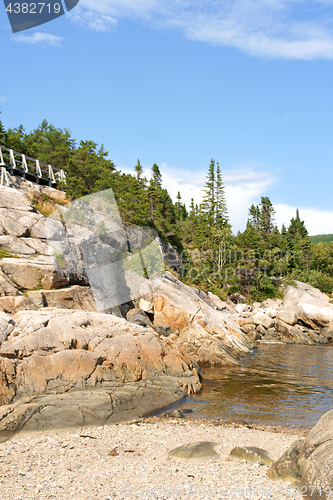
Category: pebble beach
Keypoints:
(123, 461)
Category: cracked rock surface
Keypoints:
(62, 368)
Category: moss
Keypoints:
(4, 253)
(60, 259)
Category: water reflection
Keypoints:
(277, 384)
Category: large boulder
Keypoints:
(207, 334)
(55, 362)
(309, 304)
(309, 462)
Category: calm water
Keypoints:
(278, 384)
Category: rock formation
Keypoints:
(42, 276)
(304, 317)
(61, 368)
(308, 463)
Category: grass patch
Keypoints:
(4, 253)
(45, 204)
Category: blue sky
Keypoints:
(247, 82)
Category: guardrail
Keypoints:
(28, 168)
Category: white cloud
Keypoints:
(243, 186)
(91, 20)
(3, 98)
(292, 29)
(316, 221)
(39, 37)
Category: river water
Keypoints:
(288, 385)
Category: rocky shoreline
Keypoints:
(78, 356)
(122, 461)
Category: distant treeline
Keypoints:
(319, 238)
(255, 262)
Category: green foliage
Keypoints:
(4, 253)
(3, 135)
(255, 262)
(321, 280)
(320, 238)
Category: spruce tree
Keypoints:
(156, 176)
(297, 227)
(3, 135)
(266, 215)
(254, 213)
(221, 212)
(139, 171)
(208, 205)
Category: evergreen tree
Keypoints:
(3, 135)
(254, 213)
(139, 171)
(156, 176)
(299, 243)
(180, 209)
(297, 227)
(208, 205)
(221, 212)
(88, 170)
(16, 140)
(266, 216)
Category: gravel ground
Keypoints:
(121, 462)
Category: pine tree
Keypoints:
(221, 212)
(3, 135)
(139, 171)
(156, 176)
(179, 206)
(254, 213)
(299, 243)
(154, 190)
(266, 215)
(208, 205)
(297, 227)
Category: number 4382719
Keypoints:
(33, 8)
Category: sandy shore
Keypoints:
(121, 462)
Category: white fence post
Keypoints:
(38, 171)
(12, 161)
(51, 176)
(24, 165)
(5, 181)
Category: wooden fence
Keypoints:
(33, 170)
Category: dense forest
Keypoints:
(255, 262)
(321, 237)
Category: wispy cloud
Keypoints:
(292, 29)
(39, 37)
(316, 221)
(3, 98)
(243, 186)
(92, 20)
(285, 117)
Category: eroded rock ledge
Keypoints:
(61, 368)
